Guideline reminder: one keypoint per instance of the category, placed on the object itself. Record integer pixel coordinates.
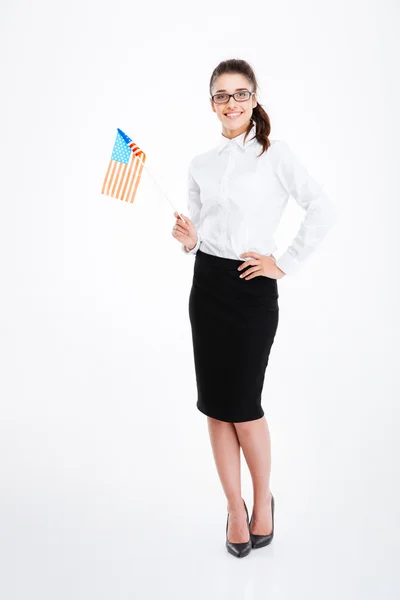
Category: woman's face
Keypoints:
(237, 123)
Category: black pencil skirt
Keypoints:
(233, 322)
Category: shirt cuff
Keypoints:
(193, 250)
(288, 264)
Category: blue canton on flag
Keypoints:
(121, 151)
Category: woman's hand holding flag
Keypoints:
(185, 233)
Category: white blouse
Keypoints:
(236, 201)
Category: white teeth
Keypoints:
(233, 115)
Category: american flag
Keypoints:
(124, 169)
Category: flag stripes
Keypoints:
(124, 169)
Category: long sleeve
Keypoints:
(194, 208)
(320, 214)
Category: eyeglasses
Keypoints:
(238, 96)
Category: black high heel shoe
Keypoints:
(238, 549)
(258, 541)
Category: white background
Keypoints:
(109, 489)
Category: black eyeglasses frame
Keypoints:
(232, 96)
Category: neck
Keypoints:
(231, 133)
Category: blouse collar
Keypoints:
(239, 139)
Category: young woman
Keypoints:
(237, 193)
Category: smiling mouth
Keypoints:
(233, 115)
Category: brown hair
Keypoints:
(259, 116)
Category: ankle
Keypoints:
(235, 505)
(262, 501)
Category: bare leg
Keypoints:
(226, 451)
(255, 440)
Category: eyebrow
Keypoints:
(237, 90)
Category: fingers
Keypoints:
(182, 226)
(250, 273)
(177, 228)
(178, 218)
(246, 263)
(178, 215)
(179, 235)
